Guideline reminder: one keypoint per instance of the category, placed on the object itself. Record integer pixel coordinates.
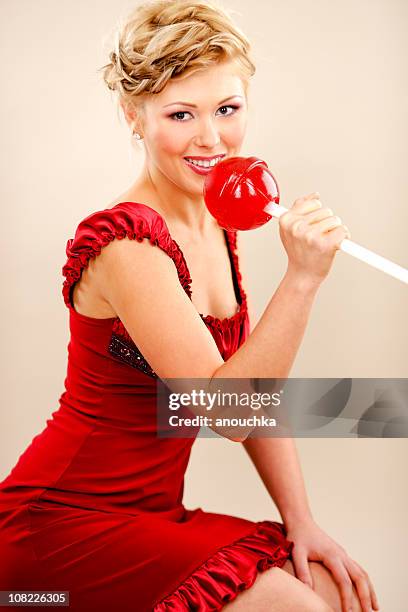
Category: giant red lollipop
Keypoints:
(242, 194)
(237, 190)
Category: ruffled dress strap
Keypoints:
(232, 241)
(232, 331)
(127, 219)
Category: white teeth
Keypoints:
(204, 163)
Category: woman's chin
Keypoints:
(193, 186)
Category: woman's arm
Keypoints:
(276, 459)
(277, 463)
(271, 348)
(142, 286)
(311, 236)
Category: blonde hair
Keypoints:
(167, 39)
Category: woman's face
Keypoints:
(193, 123)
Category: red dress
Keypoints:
(94, 505)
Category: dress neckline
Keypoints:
(241, 308)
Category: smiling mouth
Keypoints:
(210, 162)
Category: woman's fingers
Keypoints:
(301, 566)
(318, 215)
(360, 577)
(345, 573)
(305, 205)
(326, 225)
(311, 235)
(343, 581)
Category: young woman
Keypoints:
(152, 284)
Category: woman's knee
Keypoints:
(275, 590)
(325, 586)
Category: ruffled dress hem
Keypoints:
(231, 570)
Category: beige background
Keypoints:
(328, 113)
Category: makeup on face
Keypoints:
(194, 123)
(200, 164)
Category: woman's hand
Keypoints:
(311, 235)
(312, 544)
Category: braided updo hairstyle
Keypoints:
(167, 39)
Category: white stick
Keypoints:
(354, 249)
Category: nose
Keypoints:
(208, 135)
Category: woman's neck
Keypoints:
(179, 208)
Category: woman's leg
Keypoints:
(275, 590)
(325, 586)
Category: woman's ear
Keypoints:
(131, 116)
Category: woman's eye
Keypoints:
(180, 115)
(224, 109)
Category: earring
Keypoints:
(136, 135)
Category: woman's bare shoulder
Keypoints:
(88, 294)
(141, 196)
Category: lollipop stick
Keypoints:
(381, 263)
(356, 250)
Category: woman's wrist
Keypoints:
(301, 281)
(294, 519)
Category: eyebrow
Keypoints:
(195, 106)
